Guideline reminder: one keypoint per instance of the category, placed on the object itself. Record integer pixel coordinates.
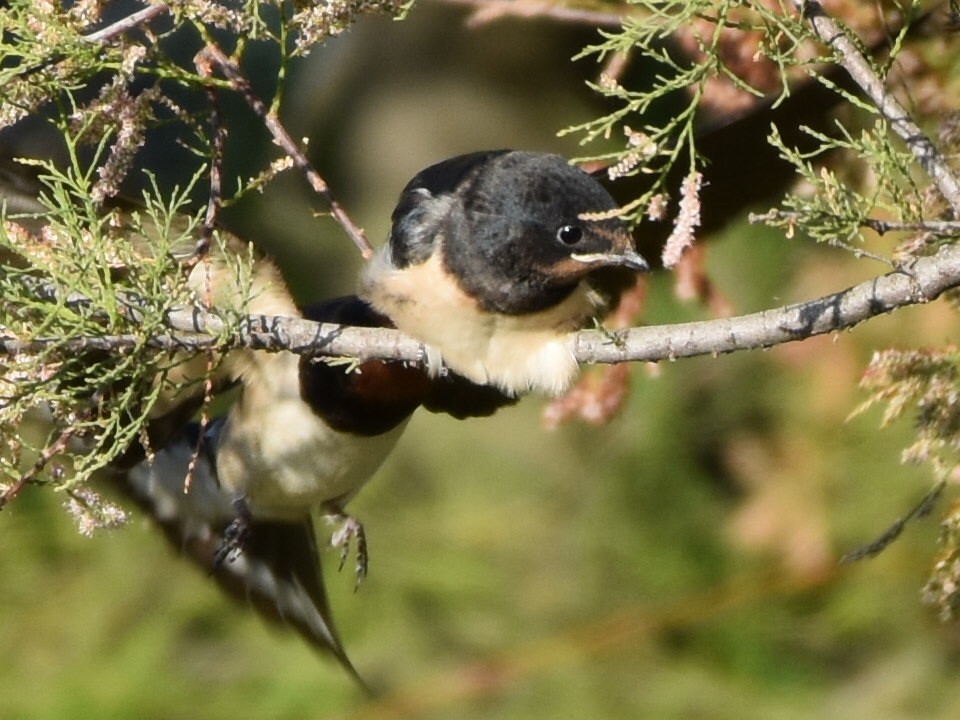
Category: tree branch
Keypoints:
(860, 70)
(218, 133)
(920, 281)
(881, 227)
(44, 458)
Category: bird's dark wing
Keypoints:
(409, 386)
(278, 572)
(458, 397)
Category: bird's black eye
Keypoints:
(569, 234)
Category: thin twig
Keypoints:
(282, 138)
(99, 37)
(486, 11)
(937, 227)
(922, 281)
(109, 343)
(127, 24)
(48, 453)
(860, 70)
(214, 199)
(881, 227)
(879, 544)
(12, 491)
(215, 195)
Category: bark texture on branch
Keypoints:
(921, 281)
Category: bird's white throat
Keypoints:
(517, 353)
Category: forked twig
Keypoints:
(282, 138)
(860, 70)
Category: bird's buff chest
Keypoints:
(517, 353)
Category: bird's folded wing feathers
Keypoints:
(278, 572)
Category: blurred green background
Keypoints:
(680, 562)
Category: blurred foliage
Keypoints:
(680, 562)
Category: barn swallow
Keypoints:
(298, 443)
(494, 258)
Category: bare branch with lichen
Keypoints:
(922, 281)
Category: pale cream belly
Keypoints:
(290, 469)
(282, 458)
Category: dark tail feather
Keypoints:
(278, 572)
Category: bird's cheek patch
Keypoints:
(567, 269)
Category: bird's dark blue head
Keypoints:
(515, 229)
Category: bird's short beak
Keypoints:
(627, 257)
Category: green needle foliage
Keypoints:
(86, 296)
